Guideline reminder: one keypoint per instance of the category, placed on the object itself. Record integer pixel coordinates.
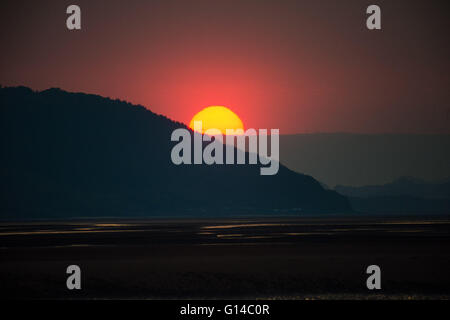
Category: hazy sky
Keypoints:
(300, 66)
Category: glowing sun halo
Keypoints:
(217, 117)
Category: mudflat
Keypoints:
(248, 258)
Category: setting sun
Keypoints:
(217, 117)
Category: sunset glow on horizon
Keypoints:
(278, 64)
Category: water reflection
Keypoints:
(245, 225)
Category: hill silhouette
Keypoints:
(68, 155)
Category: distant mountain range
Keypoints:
(367, 159)
(404, 186)
(67, 155)
(404, 195)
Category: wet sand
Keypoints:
(275, 258)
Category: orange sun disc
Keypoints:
(217, 117)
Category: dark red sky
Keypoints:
(300, 66)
